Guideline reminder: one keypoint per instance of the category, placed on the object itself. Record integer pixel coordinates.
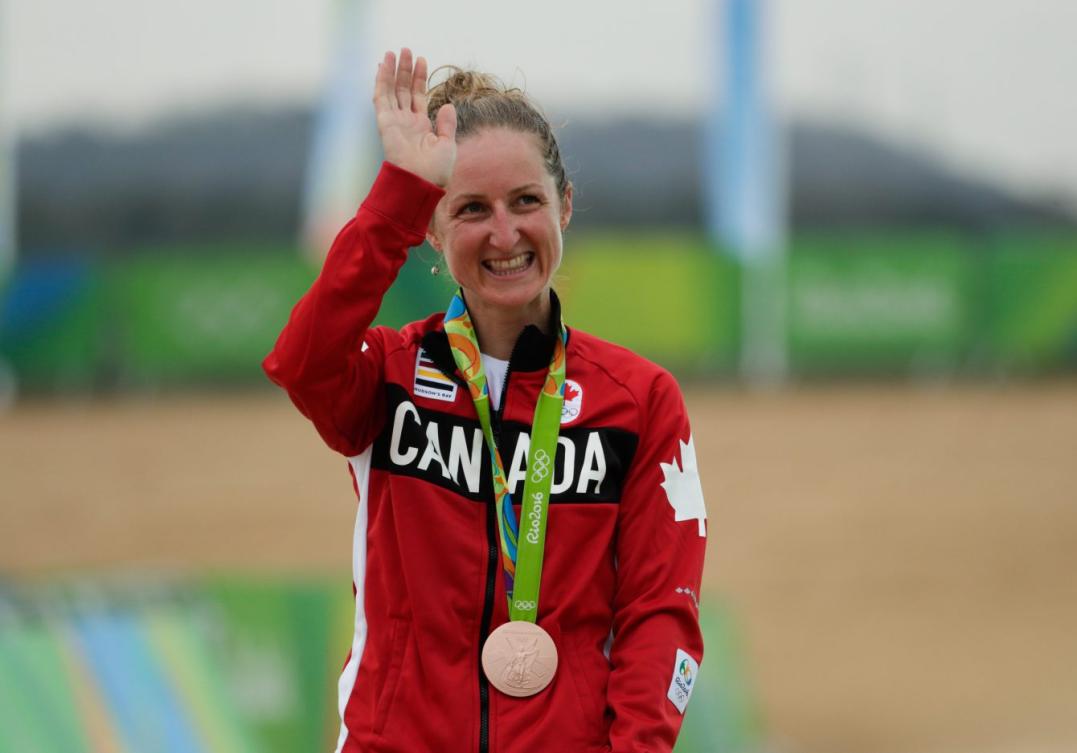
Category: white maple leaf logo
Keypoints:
(683, 489)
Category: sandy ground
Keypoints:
(903, 562)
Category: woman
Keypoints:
(567, 623)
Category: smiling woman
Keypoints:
(454, 648)
(507, 204)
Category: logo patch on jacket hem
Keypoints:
(430, 382)
(685, 670)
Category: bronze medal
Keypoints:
(519, 658)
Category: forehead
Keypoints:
(497, 160)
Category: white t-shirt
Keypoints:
(495, 369)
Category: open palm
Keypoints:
(407, 136)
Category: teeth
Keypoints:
(504, 266)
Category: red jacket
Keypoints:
(625, 535)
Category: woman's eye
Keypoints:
(470, 208)
(529, 199)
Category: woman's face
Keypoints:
(500, 221)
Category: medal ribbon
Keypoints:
(521, 556)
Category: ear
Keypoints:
(434, 240)
(566, 207)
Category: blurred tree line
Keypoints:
(237, 175)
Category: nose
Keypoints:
(504, 233)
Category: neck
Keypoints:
(497, 327)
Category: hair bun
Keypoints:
(483, 101)
(462, 86)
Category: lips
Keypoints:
(510, 266)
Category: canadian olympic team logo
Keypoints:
(570, 409)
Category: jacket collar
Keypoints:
(532, 351)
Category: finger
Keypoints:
(384, 98)
(403, 80)
(418, 87)
(446, 122)
(379, 87)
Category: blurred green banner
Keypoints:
(900, 304)
(198, 666)
(235, 665)
(854, 306)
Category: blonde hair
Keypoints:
(483, 101)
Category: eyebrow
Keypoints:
(519, 189)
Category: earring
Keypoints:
(435, 270)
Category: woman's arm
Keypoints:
(657, 644)
(325, 358)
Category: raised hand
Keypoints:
(407, 137)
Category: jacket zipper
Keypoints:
(492, 562)
(484, 631)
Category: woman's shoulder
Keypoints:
(638, 376)
(408, 337)
(415, 331)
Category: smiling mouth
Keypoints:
(507, 267)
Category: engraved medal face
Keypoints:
(519, 658)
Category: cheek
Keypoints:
(550, 232)
(459, 246)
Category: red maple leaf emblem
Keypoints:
(571, 393)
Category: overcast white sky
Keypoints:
(988, 84)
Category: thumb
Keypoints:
(446, 122)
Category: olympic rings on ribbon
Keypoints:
(542, 466)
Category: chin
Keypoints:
(515, 297)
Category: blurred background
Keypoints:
(850, 229)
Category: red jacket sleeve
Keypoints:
(657, 644)
(330, 365)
